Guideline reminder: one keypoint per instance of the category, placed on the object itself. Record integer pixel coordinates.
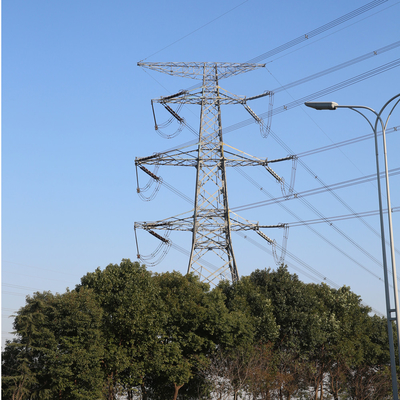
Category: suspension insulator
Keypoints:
(174, 95)
(272, 172)
(259, 96)
(264, 236)
(140, 159)
(157, 236)
(144, 169)
(252, 113)
(173, 113)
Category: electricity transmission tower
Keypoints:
(211, 221)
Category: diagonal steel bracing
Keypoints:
(211, 221)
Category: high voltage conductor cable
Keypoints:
(338, 230)
(293, 42)
(318, 31)
(328, 90)
(339, 185)
(341, 85)
(310, 192)
(291, 255)
(13, 293)
(311, 228)
(351, 81)
(335, 68)
(345, 142)
(312, 173)
(190, 33)
(19, 286)
(320, 93)
(338, 67)
(219, 70)
(304, 265)
(338, 198)
(300, 222)
(341, 217)
(303, 154)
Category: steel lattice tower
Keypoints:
(211, 221)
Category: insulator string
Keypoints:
(148, 186)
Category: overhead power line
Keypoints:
(341, 217)
(333, 226)
(311, 270)
(338, 67)
(318, 31)
(345, 142)
(201, 27)
(315, 95)
(310, 192)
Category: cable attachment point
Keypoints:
(164, 240)
(265, 129)
(278, 260)
(265, 237)
(164, 125)
(153, 178)
(160, 252)
(173, 113)
(289, 192)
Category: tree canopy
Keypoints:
(124, 332)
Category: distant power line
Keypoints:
(318, 31)
(333, 88)
(339, 185)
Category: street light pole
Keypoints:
(389, 310)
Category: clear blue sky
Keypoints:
(76, 112)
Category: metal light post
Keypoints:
(389, 311)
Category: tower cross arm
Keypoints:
(240, 226)
(214, 93)
(174, 157)
(196, 70)
(258, 96)
(173, 223)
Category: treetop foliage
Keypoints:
(124, 332)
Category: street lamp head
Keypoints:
(322, 105)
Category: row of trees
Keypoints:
(124, 332)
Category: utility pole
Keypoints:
(211, 222)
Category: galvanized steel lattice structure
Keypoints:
(211, 221)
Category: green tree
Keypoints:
(197, 322)
(247, 298)
(132, 324)
(58, 349)
(298, 321)
(25, 360)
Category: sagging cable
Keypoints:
(265, 129)
(264, 236)
(287, 192)
(173, 113)
(153, 179)
(274, 174)
(180, 93)
(160, 252)
(175, 116)
(281, 259)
